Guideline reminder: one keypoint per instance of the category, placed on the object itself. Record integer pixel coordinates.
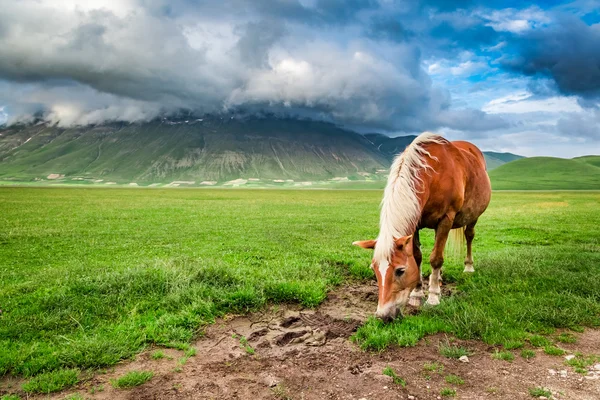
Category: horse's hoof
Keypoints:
(469, 268)
(414, 301)
(433, 300)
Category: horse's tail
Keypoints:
(456, 246)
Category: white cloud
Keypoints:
(521, 103)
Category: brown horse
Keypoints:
(434, 184)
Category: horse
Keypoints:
(434, 184)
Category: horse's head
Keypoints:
(396, 276)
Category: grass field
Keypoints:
(91, 276)
(548, 173)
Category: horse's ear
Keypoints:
(404, 243)
(366, 244)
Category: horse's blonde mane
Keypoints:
(400, 207)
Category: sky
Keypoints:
(516, 76)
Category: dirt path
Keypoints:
(306, 354)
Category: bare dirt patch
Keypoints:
(287, 352)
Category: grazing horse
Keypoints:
(435, 184)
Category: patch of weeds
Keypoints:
(10, 397)
(503, 355)
(52, 381)
(158, 355)
(177, 369)
(454, 379)
(491, 390)
(452, 351)
(552, 350)
(434, 367)
(539, 392)
(397, 380)
(97, 389)
(281, 392)
(191, 352)
(447, 392)
(513, 344)
(581, 362)
(538, 341)
(75, 396)
(244, 343)
(132, 379)
(577, 328)
(566, 338)
(527, 354)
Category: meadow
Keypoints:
(92, 276)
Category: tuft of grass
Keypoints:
(503, 355)
(191, 352)
(539, 341)
(513, 344)
(132, 379)
(539, 392)
(447, 392)
(434, 367)
(454, 379)
(527, 354)
(97, 389)
(452, 351)
(244, 343)
(76, 396)
(158, 355)
(397, 380)
(10, 397)
(52, 381)
(281, 392)
(581, 363)
(552, 350)
(566, 338)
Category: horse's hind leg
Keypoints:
(416, 296)
(469, 235)
(437, 259)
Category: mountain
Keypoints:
(392, 146)
(546, 173)
(201, 149)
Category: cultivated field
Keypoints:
(89, 277)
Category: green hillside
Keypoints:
(493, 159)
(545, 173)
(207, 149)
(592, 160)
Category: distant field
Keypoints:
(92, 276)
(548, 173)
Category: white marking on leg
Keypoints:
(469, 267)
(434, 287)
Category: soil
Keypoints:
(287, 352)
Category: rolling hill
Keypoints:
(201, 149)
(547, 173)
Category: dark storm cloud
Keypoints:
(568, 52)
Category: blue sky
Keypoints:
(515, 76)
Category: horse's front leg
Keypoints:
(437, 259)
(469, 235)
(417, 295)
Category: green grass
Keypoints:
(454, 379)
(433, 367)
(53, 381)
(93, 276)
(539, 392)
(539, 341)
(581, 363)
(553, 350)
(132, 379)
(10, 397)
(566, 338)
(453, 351)
(543, 173)
(158, 354)
(503, 355)
(447, 392)
(396, 379)
(527, 354)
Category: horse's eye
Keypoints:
(399, 272)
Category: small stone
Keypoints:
(464, 359)
(597, 367)
(569, 357)
(363, 398)
(411, 397)
(563, 373)
(270, 381)
(552, 372)
(385, 387)
(542, 398)
(591, 377)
